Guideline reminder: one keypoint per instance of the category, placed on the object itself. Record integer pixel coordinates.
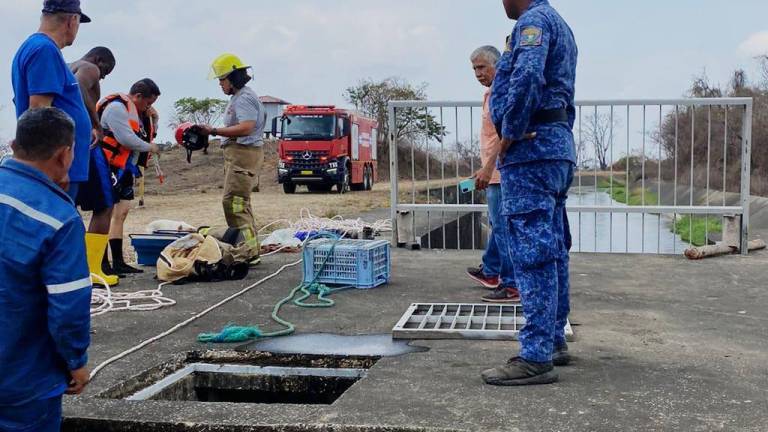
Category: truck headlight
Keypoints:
(331, 171)
(282, 171)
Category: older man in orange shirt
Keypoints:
(496, 272)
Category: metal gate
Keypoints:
(653, 176)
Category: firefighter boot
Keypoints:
(252, 240)
(95, 247)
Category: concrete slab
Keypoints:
(662, 344)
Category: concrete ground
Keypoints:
(662, 344)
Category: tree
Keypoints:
(198, 111)
(597, 132)
(764, 69)
(581, 153)
(702, 88)
(685, 136)
(372, 98)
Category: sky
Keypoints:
(309, 51)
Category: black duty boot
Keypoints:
(118, 264)
(126, 269)
(560, 356)
(518, 372)
(107, 269)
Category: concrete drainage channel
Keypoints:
(248, 376)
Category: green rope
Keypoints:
(234, 334)
(322, 292)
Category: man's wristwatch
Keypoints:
(214, 132)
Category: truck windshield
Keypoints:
(309, 126)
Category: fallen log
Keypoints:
(698, 253)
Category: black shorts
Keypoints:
(96, 194)
(123, 189)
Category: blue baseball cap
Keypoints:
(65, 6)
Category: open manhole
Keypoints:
(186, 393)
(246, 377)
(203, 382)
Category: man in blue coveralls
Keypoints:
(533, 109)
(45, 286)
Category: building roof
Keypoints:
(273, 100)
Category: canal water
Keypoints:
(620, 232)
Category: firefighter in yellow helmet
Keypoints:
(244, 121)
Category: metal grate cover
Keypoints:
(463, 321)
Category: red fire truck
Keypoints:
(323, 146)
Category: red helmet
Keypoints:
(180, 132)
(188, 135)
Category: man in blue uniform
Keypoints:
(532, 105)
(45, 286)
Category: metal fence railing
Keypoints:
(653, 176)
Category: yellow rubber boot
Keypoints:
(95, 247)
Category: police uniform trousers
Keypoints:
(534, 195)
(242, 166)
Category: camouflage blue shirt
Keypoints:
(537, 72)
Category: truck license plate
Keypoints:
(307, 172)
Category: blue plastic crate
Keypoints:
(363, 264)
(149, 246)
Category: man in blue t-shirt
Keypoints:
(41, 78)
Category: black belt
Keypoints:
(556, 115)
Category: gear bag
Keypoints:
(198, 258)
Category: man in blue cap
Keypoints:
(533, 109)
(41, 78)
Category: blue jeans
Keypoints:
(36, 416)
(496, 260)
(539, 240)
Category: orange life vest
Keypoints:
(116, 153)
(149, 126)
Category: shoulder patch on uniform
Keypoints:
(531, 36)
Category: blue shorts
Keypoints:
(123, 190)
(96, 194)
(36, 416)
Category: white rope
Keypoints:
(307, 222)
(105, 300)
(138, 347)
